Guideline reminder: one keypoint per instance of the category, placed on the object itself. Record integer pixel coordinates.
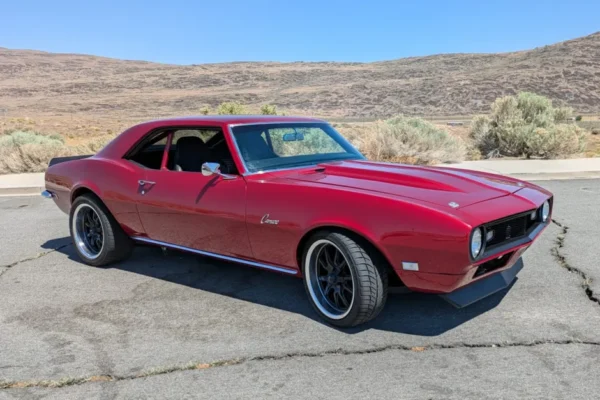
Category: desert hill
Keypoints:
(451, 84)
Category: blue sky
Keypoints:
(194, 32)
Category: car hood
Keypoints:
(435, 185)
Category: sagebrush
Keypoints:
(29, 151)
(231, 108)
(527, 125)
(407, 140)
(268, 109)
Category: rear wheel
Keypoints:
(344, 284)
(97, 236)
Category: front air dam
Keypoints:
(483, 288)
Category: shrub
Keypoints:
(526, 125)
(26, 151)
(555, 142)
(20, 138)
(409, 140)
(96, 144)
(205, 110)
(268, 109)
(578, 118)
(231, 108)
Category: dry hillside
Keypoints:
(34, 82)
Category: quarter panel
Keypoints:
(116, 182)
(113, 181)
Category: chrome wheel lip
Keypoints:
(78, 233)
(310, 282)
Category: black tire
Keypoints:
(116, 245)
(368, 274)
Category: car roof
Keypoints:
(236, 119)
(124, 142)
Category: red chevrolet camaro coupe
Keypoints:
(291, 195)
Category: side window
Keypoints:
(204, 134)
(190, 148)
(151, 153)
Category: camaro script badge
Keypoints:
(265, 220)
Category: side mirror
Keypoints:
(210, 168)
(289, 137)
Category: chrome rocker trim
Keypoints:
(215, 255)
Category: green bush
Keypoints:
(578, 118)
(20, 138)
(205, 110)
(268, 109)
(231, 108)
(527, 125)
(409, 140)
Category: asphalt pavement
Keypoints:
(180, 326)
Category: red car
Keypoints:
(291, 195)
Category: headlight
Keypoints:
(476, 242)
(545, 211)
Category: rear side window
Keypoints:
(204, 134)
(150, 154)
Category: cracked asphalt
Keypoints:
(182, 326)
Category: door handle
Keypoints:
(142, 182)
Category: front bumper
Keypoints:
(494, 262)
(484, 287)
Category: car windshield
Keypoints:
(265, 147)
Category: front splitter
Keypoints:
(483, 288)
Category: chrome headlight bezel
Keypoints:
(476, 235)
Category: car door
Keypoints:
(186, 208)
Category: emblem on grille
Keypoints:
(508, 232)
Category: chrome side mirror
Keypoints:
(210, 168)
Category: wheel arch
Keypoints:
(82, 189)
(363, 239)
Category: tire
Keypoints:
(366, 271)
(114, 245)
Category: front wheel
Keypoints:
(97, 236)
(344, 284)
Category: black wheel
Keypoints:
(97, 236)
(344, 284)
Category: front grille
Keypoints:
(511, 228)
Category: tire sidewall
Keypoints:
(87, 200)
(355, 308)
